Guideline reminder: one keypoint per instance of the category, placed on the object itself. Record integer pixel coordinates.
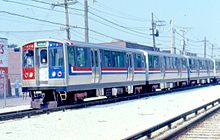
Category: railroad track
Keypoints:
(207, 129)
(33, 112)
(177, 126)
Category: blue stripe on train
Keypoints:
(86, 73)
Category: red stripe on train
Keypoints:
(114, 69)
(139, 69)
(81, 69)
(154, 69)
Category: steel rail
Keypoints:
(33, 112)
(148, 132)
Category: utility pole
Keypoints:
(155, 32)
(153, 29)
(65, 4)
(86, 21)
(184, 43)
(173, 48)
(204, 47)
(67, 20)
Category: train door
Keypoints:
(96, 65)
(42, 65)
(130, 75)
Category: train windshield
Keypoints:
(56, 57)
(28, 58)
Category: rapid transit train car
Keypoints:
(201, 70)
(55, 71)
(165, 70)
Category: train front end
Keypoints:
(43, 71)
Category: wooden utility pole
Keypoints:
(173, 48)
(184, 43)
(65, 4)
(153, 30)
(67, 20)
(86, 21)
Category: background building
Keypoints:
(126, 44)
(3, 65)
(14, 69)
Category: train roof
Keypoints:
(103, 46)
(83, 44)
(112, 47)
(161, 53)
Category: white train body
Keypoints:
(68, 71)
(165, 69)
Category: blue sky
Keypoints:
(127, 20)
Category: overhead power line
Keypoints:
(116, 24)
(132, 17)
(51, 4)
(39, 7)
(33, 31)
(127, 29)
(116, 15)
(56, 23)
(36, 19)
(140, 33)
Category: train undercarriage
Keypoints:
(53, 98)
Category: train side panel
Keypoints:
(97, 67)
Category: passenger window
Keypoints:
(82, 57)
(184, 63)
(137, 61)
(119, 59)
(113, 59)
(107, 59)
(153, 61)
(43, 57)
(150, 61)
(175, 62)
(165, 61)
(169, 64)
(71, 55)
(193, 63)
(96, 59)
(156, 62)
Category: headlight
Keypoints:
(26, 75)
(54, 74)
(31, 75)
(59, 74)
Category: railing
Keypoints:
(169, 122)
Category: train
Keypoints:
(57, 72)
